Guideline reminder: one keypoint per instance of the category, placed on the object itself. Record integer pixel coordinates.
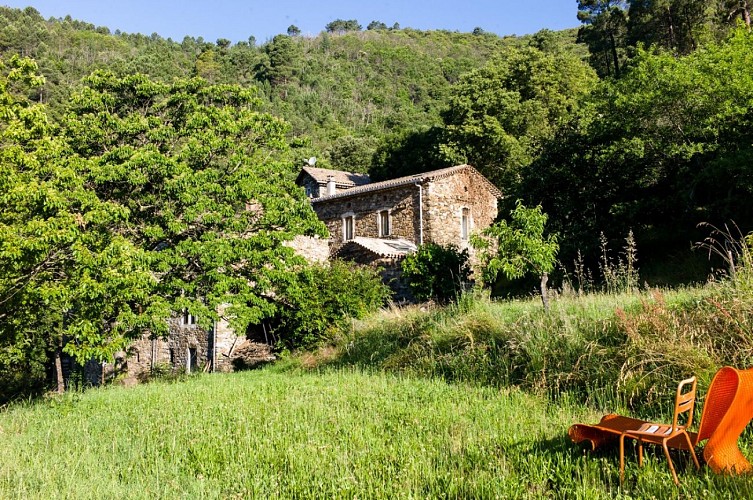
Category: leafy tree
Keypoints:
(207, 66)
(283, 53)
(518, 247)
(353, 154)
(293, 30)
(67, 284)
(203, 177)
(342, 26)
(408, 153)
(662, 149)
(436, 272)
(677, 25)
(321, 299)
(376, 25)
(499, 116)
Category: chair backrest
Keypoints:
(684, 402)
(722, 392)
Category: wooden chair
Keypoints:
(662, 434)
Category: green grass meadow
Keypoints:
(472, 400)
(329, 434)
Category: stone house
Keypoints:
(369, 223)
(387, 220)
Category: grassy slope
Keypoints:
(333, 434)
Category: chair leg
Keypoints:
(671, 465)
(692, 451)
(622, 458)
(640, 452)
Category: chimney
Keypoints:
(330, 185)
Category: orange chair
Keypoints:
(726, 412)
(662, 434)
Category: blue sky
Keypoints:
(236, 20)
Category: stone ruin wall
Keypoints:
(171, 353)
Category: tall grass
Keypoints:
(341, 434)
(625, 349)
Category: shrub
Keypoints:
(436, 272)
(321, 299)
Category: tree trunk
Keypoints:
(545, 291)
(616, 59)
(671, 29)
(59, 367)
(746, 14)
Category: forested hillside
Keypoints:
(629, 149)
(343, 91)
(139, 154)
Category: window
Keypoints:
(349, 223)
(384, 223)
(187, 319)
(192, 360)
(465, 224)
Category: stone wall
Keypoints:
(400, 202)
(227, 344)
(171, 353)
(311, 187)
(444, 200)
(313, 249)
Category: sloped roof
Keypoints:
(391, 248)
(342, 178)
(410, 179)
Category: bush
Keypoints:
(322, 298)
(436, 272)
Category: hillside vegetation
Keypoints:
(143, 176)
(622, 348)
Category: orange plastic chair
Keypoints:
(662, 434)
(726, 412)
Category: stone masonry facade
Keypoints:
(187, 348)
(444, 207)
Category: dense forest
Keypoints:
(139, 154)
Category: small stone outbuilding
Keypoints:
(188, 348)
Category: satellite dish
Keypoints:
(312, 161)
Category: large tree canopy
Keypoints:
(151, 198)
(660, 150)
(499, 116)
(67, 283)
(199, 172)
